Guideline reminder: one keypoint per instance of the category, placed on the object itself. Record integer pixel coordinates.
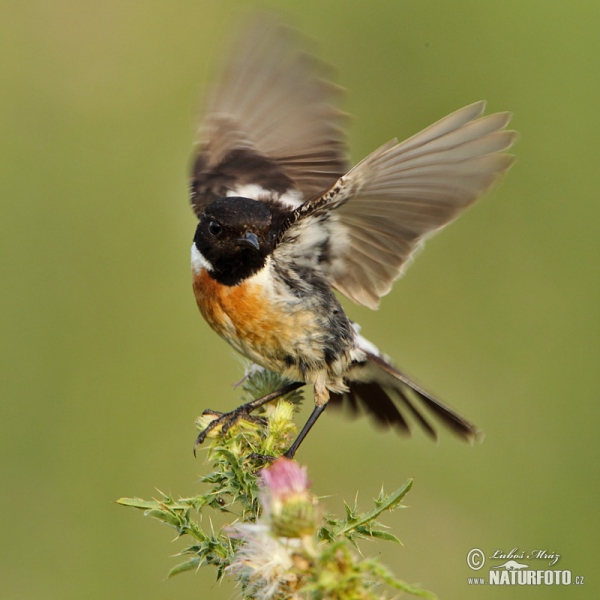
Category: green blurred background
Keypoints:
(106, 361)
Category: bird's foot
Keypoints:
(225, 421)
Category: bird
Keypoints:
(284, 221)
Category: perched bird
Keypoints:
(284, 221)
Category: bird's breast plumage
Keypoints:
(247, 314)
(269, 325)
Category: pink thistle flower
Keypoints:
(287, 503)
(285, 478)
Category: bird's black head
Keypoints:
(234, 236)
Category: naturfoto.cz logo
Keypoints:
(515, 568)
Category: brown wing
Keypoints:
(271, 126)
(388, 204)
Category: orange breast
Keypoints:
(244, 315)
(271, 327)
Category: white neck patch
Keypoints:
(199, 262)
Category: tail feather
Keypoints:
(383, 408)
(375, 383)
(418, 416)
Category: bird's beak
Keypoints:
(249, 239)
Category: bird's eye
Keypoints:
(214, 228)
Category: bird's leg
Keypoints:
(321, 401)
(226, 420)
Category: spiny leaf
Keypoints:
(188, 565)
(388, 503)
(384, 535)
(382, 572)
(151, 504)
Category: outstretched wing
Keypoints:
(389, 203)
(271, 128)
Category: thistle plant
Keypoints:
(278, 543)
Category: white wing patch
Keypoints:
(290, 198)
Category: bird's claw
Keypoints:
(225, 421)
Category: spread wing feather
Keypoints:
(389, 203)
(272, 122)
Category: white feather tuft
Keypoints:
(199, 262)
(291, 198)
